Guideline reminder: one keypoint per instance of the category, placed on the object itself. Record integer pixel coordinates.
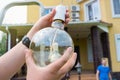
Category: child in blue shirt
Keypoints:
(103, 71)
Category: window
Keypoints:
(89, 49)
(92, 11)
(48, 10)
(117, 42)
(116, 8)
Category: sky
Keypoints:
(14, 15)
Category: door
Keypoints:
(77, 50)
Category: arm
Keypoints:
(13, 60)
(97, 75)
(110, 77)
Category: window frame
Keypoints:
(86, 17)
(117, 36)
(89, 50)
(113, 11)
(49, 7)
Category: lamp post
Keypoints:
(78, 67)
(66, 77)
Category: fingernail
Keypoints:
(75, 53)
(26, 50)
(70, 49)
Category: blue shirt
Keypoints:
(103, 72)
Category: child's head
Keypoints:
(104, 61)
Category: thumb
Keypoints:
(29, 60)
(51, 15)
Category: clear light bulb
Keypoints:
(49, 43)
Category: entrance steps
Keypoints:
(86, 76)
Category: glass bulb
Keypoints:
(49, 43)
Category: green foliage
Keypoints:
(3, 44)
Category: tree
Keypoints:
(3, 44)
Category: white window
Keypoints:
(89, 49)
(115, 8)
(92, 11)
(48, 10)
(117, 42)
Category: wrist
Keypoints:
(30, 34)
(32, 31)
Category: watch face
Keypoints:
(26, 41)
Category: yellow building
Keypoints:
(94, 27)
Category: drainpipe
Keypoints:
(20, 3)
(8, 37)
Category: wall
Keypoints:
(34, 10)
(33, 14)
(106, 16)
(83, 54)
(106, 12)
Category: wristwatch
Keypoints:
(26, 41)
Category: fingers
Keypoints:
(67, 21)
(51, 15)
(55, 66)
(29, 59)
(68, 66)
(67, 16)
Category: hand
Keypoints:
(54, 71)
(45, 21)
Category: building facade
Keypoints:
(94, 28)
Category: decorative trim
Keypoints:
(49, 6)
(104, 28)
